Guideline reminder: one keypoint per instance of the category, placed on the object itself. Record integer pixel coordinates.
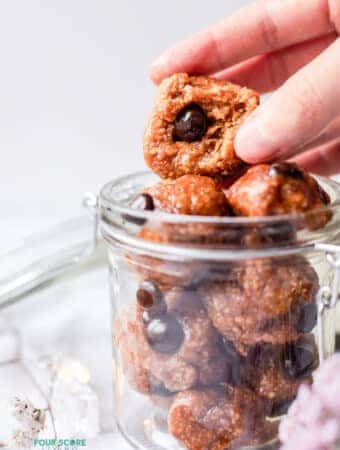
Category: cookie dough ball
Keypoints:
(281, 188)
(193, 126)
(137, 376)
(174, 341)
(215, 418)
(189, 194)
(274, 372)
(263, 301)
(278, 371)
(139, 372)
(181, 273)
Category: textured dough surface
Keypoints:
(225, 104)
(256, 303)
(260, 193)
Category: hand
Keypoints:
(291, 46)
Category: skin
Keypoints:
(291, 48)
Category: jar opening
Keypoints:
(192, 235)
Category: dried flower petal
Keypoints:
(27, 414)
(313, 421)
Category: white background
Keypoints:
(75, 95)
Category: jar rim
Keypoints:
(107, 200)
(115, 198)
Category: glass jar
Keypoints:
(214, 319)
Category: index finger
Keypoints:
(261, 27)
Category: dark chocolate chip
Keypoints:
(190, 124)
(280, 408)
(300, 358)
(165, 334)
(151, 300)
(149, 295)
(149, 315)
(142, 202)
(286, 169)
(308, 317)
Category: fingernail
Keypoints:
(160, 60)
(253, 143)
(157, 67)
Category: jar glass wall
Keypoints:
(214, 320)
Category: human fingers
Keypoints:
(260, 27)
(324, 160)
(296, 113)
(328, 135)
(268, 72)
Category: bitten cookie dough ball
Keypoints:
(215, 418)
(173, 341)
(281, 188)
(263, 301)
(193, 126)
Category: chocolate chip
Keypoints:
(280, 408)
(148, 316)
(286, 169)
(149, 295)
(151, 300)
(308, 317)
(190, 124)
(142, 202)
(165, 334)
(300, 358)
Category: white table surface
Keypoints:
(70, 316)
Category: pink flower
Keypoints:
(313, 421)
